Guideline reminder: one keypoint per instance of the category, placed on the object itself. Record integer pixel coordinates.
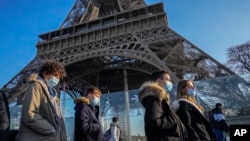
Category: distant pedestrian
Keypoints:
(218, 122)
(87, 125)
(191, 113)
(41, 118)
(115, 130)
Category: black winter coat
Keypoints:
(161, 123)
(198, 127)
(87, 125)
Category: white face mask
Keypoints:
(169, 86)
(52, 81)
(191, 92)
(95, 101)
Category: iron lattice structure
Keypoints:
(100, 39)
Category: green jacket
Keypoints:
(39, 121)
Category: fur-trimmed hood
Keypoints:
(176, 105)
(153, 89)
(82, 100)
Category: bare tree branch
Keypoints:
(238, 58)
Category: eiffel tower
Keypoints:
(104, 42)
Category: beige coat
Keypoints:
(39, 121)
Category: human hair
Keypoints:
(158, 74)
(115, 119)
(92, 89)
(51, 66)
(182, 94)
(180, 89)
(218, 105)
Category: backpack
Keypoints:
(107, 135)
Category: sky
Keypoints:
(211, 25)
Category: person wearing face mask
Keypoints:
(115, 130)
(41, 117)
(163, 79)
(161, 123)
(191, 113)
(87, 125)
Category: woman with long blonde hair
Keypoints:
(191, 113)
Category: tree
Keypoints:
(238, 58)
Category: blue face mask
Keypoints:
(95, 101)
(191, 92)
(169, 86)
(52, 82)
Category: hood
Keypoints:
(153, 89)
(36, 78)
(176, 105)
(82, 100)
(32, 77)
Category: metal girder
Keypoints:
(96, 52)
(75, 13)
(87, 10)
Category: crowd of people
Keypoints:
(182, 120)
